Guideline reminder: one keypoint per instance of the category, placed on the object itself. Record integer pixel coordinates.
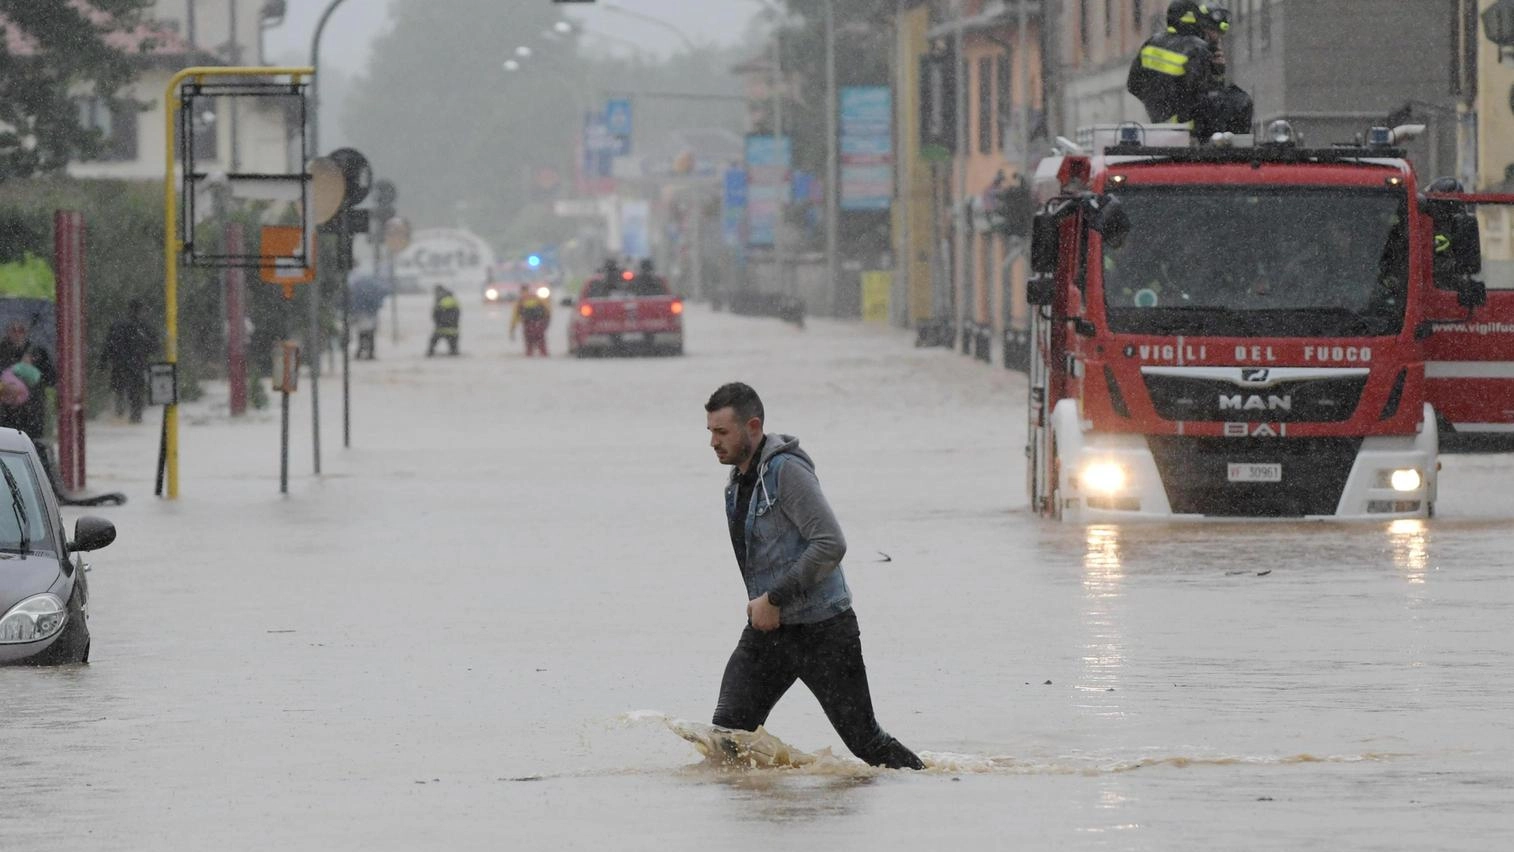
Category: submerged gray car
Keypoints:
(44, 597)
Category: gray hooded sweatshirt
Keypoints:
(793, 543)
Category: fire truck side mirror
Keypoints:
(1107, 217)
(1038, 289)
(1471, 293)
(1466, 243)
(1044, 243)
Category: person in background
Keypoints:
(534, 312)
(446, 314)
(129, 345)
(19, 354)
(367, 298)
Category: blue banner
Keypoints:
(867, 148)
(767, 167)
(733, 206)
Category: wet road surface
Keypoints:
(474, 631)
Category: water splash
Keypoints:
(761, 750)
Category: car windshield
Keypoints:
(1252, 261)
(32, 510)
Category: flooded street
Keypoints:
(473, 631)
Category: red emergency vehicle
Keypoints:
(626, 313)
(1259, 330)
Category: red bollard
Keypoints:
(236, 326)
(68, 264)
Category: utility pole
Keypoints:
(904, 196)
(959, 212)
(779, 261)
(832, 173)
(313, 333)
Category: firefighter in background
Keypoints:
(445, 316)
(534, 311)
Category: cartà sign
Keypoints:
(446, 256)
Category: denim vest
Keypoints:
(774, 543)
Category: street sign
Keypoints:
(283, 255)
(397, 234)
(385, 193)
(356, 172)
(618, 116)
(163, 383)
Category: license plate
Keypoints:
(1255, 472)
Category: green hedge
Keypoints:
(124, 261)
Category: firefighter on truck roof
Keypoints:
(1179, 74)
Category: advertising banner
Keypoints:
(867, 152)
(767, 166)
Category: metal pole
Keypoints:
(346, 344)
(313, 334)
(779, 261)
(284, 442)
(904, 196)
(832, 173)
(394, 300)
(959, 218)
(696, 259)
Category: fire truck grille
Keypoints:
(1195, 475)
(1301, 401)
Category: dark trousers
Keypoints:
(131, 394)
(449, 335)
(827, 657)
(536, 337)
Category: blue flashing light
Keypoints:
(533, 261)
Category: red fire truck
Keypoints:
(1260, 330)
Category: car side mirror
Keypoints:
(91, 533)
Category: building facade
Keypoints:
(1331, 69)
(241, 135)
(960, 279)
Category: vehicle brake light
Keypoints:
(677, 308)
(586, 310)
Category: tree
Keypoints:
(436, 112)
(48, 48)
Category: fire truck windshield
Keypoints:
(1259, 261)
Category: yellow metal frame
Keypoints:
(173, 246)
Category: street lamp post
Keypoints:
(651, 19)
(314, 331)
(832, 173)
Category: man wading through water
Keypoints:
(800, 624)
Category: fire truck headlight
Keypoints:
(1104, 478)
(1407, 479)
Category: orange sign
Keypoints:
(284, 243)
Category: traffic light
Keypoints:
(533, 261)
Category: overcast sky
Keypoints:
(352, 27)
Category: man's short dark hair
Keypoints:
(739, 397)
